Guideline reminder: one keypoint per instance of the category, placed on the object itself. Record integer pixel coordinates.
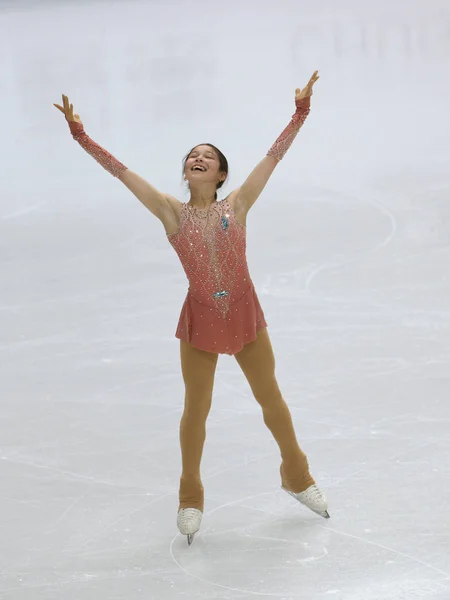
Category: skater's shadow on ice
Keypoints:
(241, 532)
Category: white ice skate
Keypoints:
(312, 498)
(188, 521)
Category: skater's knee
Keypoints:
(269, 396)
(196, 412)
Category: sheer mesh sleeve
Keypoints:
(284, 141)
(102, 156)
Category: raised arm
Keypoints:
(249, 192)
(161, 205)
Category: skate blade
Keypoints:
(190, 538)
(324, 514)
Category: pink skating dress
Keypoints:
(221, 312)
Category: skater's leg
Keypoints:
(257, 361)
(198, 368)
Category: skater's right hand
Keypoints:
(67, 110)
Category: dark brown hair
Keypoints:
(223, 163)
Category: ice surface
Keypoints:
(349, 250)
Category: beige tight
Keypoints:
(257, 362)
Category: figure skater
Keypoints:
(221, 313)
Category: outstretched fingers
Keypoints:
(67, 110)
(308, 89)
(313, 79)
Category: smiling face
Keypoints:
(204, 165)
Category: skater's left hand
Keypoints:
(308, 90)
(67, 110)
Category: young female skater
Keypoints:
(221, 313)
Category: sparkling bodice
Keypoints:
(211, 245)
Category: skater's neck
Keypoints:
(202, 197)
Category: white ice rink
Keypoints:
(349, 251)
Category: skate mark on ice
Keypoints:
(378, 545)
(75, 503)
(21, 212)
(226, 587)
(363, 468)
(337, 264)
(70, 474)
(122, 518)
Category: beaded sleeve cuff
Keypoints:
(102, 156)
(284, 141)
